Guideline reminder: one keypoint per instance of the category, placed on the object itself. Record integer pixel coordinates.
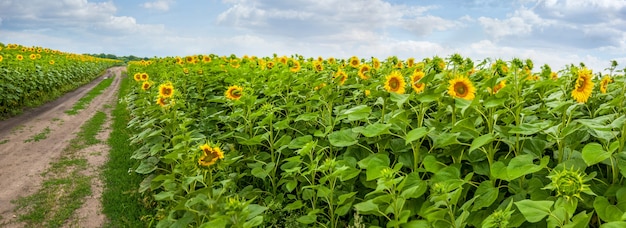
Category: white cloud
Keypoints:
(162, 5)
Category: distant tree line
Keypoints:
(123, 58)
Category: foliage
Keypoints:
(473, 144)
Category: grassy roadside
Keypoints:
(121, 202)
(65, 183)
(84, 101)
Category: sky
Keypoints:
(554, 32)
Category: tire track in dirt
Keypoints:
(22, 162)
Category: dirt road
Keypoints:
(24, 155)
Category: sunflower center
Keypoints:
(236, 93)
(167, 91)
(581, 84)
(461, 89)
(394, 83)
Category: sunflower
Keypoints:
(144, 76)
(415, 84)
(162, 101)
(210, 155)
(51, 62)
(318, 66)
(342, 76)
(296, 66)
(554, 76)
(375, 63)
(283, 60)
(270, 64)
(1, 58)
(234, 92)
(179, 61)
(206, 59)
(605, 83)
(498, 87)
(319, 86)
(367, 92)
(33, 56)
(584, 86)
(354, 61)
(410, 62)
(137, 77)
(461, 87)
(20, 57)
(190, 59)
(145, 85)
(395, 82)
(185, 70)
(399, 65)
(166, 90)
(332, 60)
(363, 70)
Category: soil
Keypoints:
(23, 159)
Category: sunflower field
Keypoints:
(229, 141)
(33, 75)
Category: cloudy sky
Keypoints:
(557, 32)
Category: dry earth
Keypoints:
(22, 162)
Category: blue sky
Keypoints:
(557, 32)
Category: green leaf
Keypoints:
(485, 195)
(593, 153)
(518, 166)
(619, 224)
(147, 165)
(400, 99)
(481, 141)
(534, 211)
(256, 221)
(299, 142)
(366, 206)
(360, 112)
(375, 165)
(376, 129)
(344, 197)
(307, 117)
(293, 206)
(416, 224)
(607, 211)
(255, 209)
(416, 134)
(445, 139)
(431, 164)
(529, 129)
(307, 219)
(343, 138)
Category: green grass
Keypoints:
(122, 204)
(40, 136)
(4, 141)
(65, 185)
(84, 101)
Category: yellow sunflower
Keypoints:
(185, 70)
(190, 59)
(1, 58)
(166, 90)
(354, 61)
(342, 76)
(137, 77)
(51, 61)
(210, 155)
(296, 66)
(584, 86)
(317, 65)
(363, 71)
(20, 57)
(498, 87)
(410, 62)
(332, 60)
(415, 84)
(33, 56)
(162, 101)
(395, 82)
(399, 65)
(461, 87)
(270, 64)
(375, 63)
(283, 60)
(605, 83)
(206, 59)
(554, 76)
(367, 92)
(145, 85)
(144, 76)
(234, 92)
